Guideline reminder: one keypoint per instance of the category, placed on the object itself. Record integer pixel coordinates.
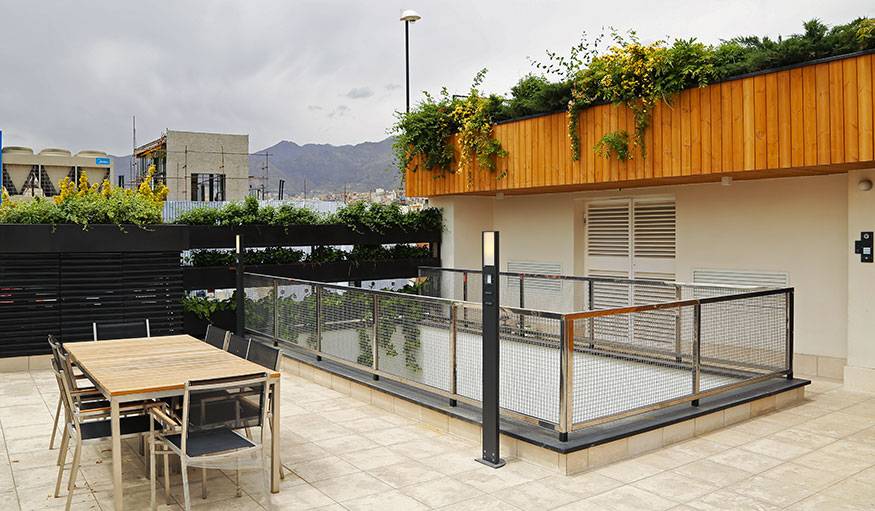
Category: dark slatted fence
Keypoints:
(63, 293)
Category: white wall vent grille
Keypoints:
(608, 229)
(741, 278)
(535, 284)
(654, 228)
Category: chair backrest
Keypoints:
(263, 355)
(216, 336)
(238, 345)
(124, 330)
(234, 403)
(58, 355)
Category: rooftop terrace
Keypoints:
(360, 450)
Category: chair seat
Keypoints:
(103, 428)
(214, 441)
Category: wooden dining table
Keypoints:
(128, 370)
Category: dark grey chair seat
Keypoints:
(103, 428)
(212, 441)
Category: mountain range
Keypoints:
(325, 167)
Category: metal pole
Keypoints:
(276, 316)
(790, 332)
(566, 378)
(697, 350)
(407, 62)
(522, 304)
(238, 273)
(591, 321)
(454, 317)
(490, 366)
(375, 353)
(677, 326)
(318, 322)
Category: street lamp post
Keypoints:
(408, 16)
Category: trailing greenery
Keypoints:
(86, 203)
(425, 133)
(615, 143)
(204, 308)
(610, 68)
(320, 254)
(361, 216)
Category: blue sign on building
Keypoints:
(101, 161)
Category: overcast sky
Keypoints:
(73, 73)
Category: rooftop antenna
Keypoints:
(133, 170)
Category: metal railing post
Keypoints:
(454, 330)
(790, 332)
(318, 290)
(375, 349)
(522, 305)
(697, 350)
(566, 378)
(677, 326)
(590, 306)
(276, 316)
(465, 294)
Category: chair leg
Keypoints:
(153, 505)
(203, 483)
(65, 441)
(185, 491)
(62, 459)
(73, 471)
(55, 425)
(167, 476)
(282, 468)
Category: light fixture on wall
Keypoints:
(864, 185)
(726, 180)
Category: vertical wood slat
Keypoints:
(821, 114)
(864, 106)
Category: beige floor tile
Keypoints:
(822, 502)
(582, 485)
(449, 463)
(630, 470)
(299, 453)
(323, 468)
(746, 460)
(428, 447)
(630, 498)
(441, 492)
(729, 436)
(676, 487)
(367, 424)
(826, 461)
(800, 474)
(488, 480)
(725, 500)
(776, 449)
(373, 458)
(484, 503)
(388, 501)
(351, 486)
(853, 490)
(346, 444)
(712, 472)
(767, 490)
(535, 496)
(836, 425)
(405, 474)
(669, 458)
(9, 500)
(866, 436)
(303, 497)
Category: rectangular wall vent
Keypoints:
(741, 278)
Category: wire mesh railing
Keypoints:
(630, 346)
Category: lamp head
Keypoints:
(410, 15)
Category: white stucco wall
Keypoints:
(793, 225)
(860, 370)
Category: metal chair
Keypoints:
(238, 345)
(87, 393)
(83, 424)
(211, 412)
(263, 355)
(216, 336)
(124, 330)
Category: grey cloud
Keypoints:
(392, 86)
(359, 93)
(340, 111)
(314, 108)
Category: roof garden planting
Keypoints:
(616, 68)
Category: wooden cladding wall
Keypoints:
(808, 119)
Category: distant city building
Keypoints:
(29, 175)
(198, 166)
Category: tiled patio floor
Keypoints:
(350, 454)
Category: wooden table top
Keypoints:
(156, 364)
